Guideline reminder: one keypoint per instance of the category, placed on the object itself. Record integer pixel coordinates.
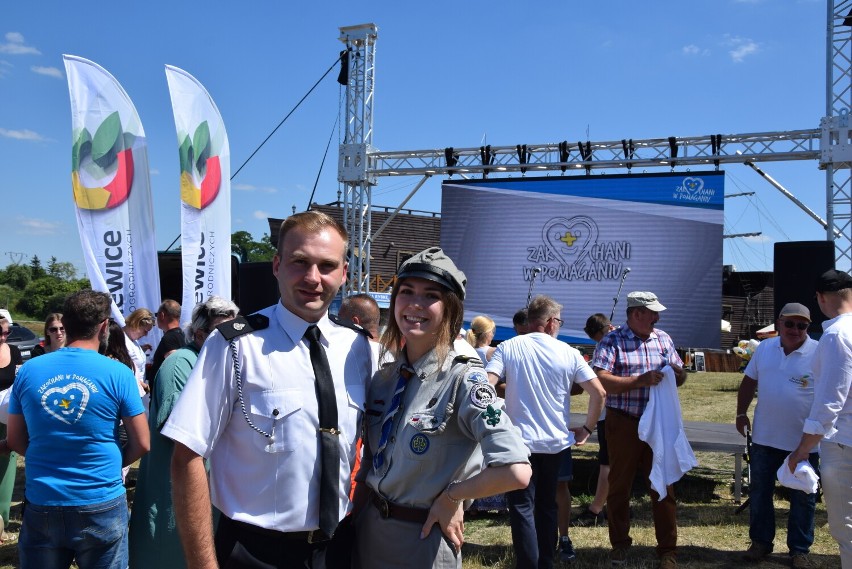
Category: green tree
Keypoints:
(16, 276)
(244, 245)
(39, 293)
(61, 270)
(36, 270)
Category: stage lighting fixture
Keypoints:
(452, 159)
(847, 21)
(343, 76)
(487, 158)
(523, 156)
(564, 154)
(673, 150)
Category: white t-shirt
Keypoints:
(785, 392)
(539, 372)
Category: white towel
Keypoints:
(661, 426)
(804, 478)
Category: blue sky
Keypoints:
(447, 74)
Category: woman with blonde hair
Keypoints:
(54, 335)
(480, 335)
(136, 325)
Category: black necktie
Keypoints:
(329, 450)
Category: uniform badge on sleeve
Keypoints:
(419, 443)
(482, 395)
(477, 377)
(492, 416)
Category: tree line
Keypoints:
(34, 290)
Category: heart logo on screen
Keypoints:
(66, 403)
(693, 185)
(569, 240)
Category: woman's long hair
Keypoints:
(115, 347)
(393, 340)
(51, 318)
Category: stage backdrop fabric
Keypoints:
(112, 190)
(205, 191)
(582, 234)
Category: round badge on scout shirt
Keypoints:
(482, 395)
(419, 443)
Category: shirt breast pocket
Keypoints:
(277, 412)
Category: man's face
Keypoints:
(642, 320)
(310, 270)
(793, 331)
(161, 320)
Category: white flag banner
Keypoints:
(112, 190)
(205, 191)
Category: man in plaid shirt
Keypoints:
(628, 361)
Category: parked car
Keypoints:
(24, 338)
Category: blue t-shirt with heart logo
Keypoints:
(72, 401)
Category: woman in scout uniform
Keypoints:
(431, 423)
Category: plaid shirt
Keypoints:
(623, 353)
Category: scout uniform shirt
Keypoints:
(449, 427)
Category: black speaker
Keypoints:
(797, 266)
(258, 287)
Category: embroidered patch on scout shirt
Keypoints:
(419, 443)
(482, 395)
(477, 377)
(492, 416)
(422, 421)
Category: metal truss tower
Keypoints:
(831, 144)
(836, 144)
(359, 63)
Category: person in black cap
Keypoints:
(830, 421)
(432, 422)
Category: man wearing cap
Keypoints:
(540, 371)
(782, 366)
(830, 419)
(628, 361)
(274, 403)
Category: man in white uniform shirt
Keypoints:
(830, 419)
(539, 371)
(254, 408)
(782, 367)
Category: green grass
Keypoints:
(711, 534)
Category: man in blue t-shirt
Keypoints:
(64, 414)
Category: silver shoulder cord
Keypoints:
(270, 436)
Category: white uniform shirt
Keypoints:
(539, 371)
(785, 392)
(271, 484)
(831, 413)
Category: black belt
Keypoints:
(615, 411)
(398, 512)
(314, 536)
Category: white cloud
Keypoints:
(741, 48)
(5, 66)
(14, 45)
(692, 50)
(21, 134)
(251, 188)
(33, 226)
(260, 214)
(758, 239)
(49, 71)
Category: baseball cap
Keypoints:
(434, 265)
(795, 309)
(832, 281)
(647, 299)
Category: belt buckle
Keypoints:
(384, 508)
(317, 536)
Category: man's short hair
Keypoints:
(310, 221)
(364, 307)
(170, 308)
(541, 308)
(206, 312)
(83, 313)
